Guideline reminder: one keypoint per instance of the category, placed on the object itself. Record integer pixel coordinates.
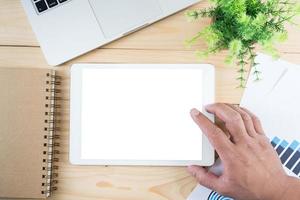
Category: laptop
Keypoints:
(66, 29)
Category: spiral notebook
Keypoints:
(28, 132)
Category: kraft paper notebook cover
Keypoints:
(28, 132)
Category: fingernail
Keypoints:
(195, 112)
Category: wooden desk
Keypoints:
(159, 43)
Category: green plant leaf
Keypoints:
(281, 36)
(191, 15)
(297, 9)
(270, 49)
(235, 46)
(201, 55)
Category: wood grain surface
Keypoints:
(162, 42)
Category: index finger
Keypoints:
(215, 135)
(233, 120)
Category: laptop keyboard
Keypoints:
(43, 5)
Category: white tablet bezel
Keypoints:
(75, 116)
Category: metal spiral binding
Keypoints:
(50, 137)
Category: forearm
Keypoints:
(277, 188)
(293, 189)
(288, 189)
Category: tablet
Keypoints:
(139, 114)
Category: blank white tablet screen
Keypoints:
(140, 114)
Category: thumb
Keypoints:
(204, 177)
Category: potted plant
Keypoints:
(239, 25)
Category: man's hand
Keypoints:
(252, 169)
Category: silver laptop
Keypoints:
(66, 29)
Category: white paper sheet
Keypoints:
(276, 101)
